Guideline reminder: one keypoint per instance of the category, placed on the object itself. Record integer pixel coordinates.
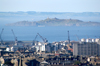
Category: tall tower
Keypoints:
(68, 38)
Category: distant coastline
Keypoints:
(54, 22)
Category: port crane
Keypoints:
(14, 37)
(68, 38)
(44, 39)
(34, 41)
(77, 38)
(0, 36)
(35, 37)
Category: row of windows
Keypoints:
(87, 53)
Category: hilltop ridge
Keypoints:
(55, 22)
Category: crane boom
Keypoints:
(35, 37)
(77, 37)
(1, 33)
(34, 41)
(14, 37)
(44, 40)
(13, 33)
(41, 37)
(0, 36)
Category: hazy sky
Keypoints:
(50, 5)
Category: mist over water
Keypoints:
(50, 33)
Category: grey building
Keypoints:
(86, 49)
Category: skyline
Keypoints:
(50, 5)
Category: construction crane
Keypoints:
(35, 37)
(44, 39)
(77, 38)
(0, 36)
(34, 41)
(68, 38)
(14, 37)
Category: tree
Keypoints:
(77, 63)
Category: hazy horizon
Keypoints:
(50, 5)
(57, 6)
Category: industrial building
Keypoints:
(40, 46)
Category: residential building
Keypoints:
(86, 49)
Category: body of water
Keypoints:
(50, 33)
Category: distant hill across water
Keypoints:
(55, 22)
(32, 16)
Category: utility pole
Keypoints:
(68, 38)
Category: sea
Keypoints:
(52, 34)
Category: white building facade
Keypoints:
(40, 47)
